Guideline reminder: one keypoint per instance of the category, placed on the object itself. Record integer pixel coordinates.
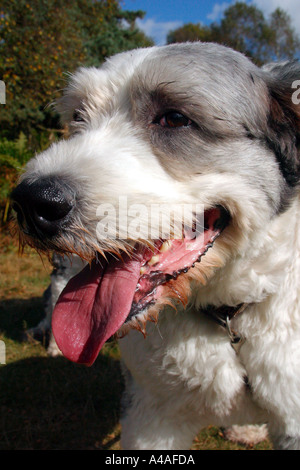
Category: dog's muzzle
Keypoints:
(43, 207)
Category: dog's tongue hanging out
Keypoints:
(98, 301)
(93, 306)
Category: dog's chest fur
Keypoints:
(214, 382)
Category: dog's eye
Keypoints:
(77, 116)
(174, 119)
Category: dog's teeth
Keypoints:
(165, 246)
(153, 260)
(143, 270)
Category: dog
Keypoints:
(207, 311)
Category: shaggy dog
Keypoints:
(193, 129)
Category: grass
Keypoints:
(50, 403)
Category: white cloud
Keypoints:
(290, 6)
(157, 30)
(218, 11)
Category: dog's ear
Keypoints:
(283, 134)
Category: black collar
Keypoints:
(222, 316)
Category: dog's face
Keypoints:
(154, 131)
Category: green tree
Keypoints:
(40, 40)
(245, 28)
(117, 33)
(189, 32)
(284, 43)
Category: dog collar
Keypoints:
(223, 316)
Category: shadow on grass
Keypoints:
(18, 314)
(50, 403)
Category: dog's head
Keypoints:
(193, 134)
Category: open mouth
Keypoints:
(104, 296)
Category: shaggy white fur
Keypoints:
(190, 124)
(247, 435)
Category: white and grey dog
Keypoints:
(186, 125)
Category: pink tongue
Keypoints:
(93, 306)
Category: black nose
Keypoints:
(43, 207)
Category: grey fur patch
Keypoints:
(286, 442)
(284, 119)
(228, 100)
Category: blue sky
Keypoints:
(164, 15)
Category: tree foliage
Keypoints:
(245, 28)
(40, 40)
(189, 32)
(285, 42)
